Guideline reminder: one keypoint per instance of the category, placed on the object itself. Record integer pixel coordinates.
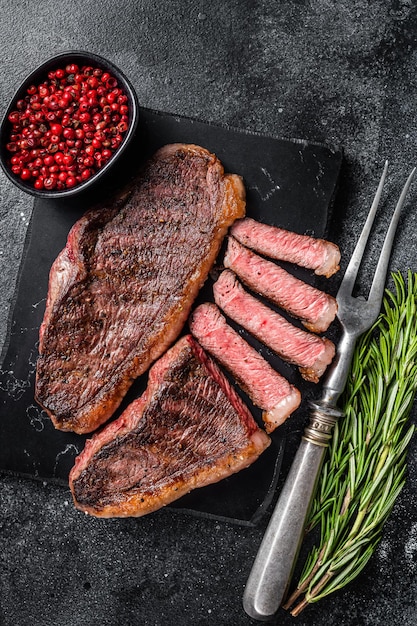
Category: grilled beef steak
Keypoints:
(310, 352)
(121, 290)
(267, 389)
(315, 308)
(188, 429)
(317, 254)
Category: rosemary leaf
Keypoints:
(349, 574)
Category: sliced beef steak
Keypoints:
(315, 308)
(267, 389)
(121, 290)
(317, 254)
(189, 429)
(310, 352)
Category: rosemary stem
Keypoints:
(310, 596)
(356, 526)
(305, 583)
(299, 608)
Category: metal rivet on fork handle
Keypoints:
(272, 570)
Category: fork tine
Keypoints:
(378, 284)
(352, 269)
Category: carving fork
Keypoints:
(271, 573)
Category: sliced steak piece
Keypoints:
(121, 290)
(317, 254)
(189, 429)
(310, 352)
(267, 389)
(315, 308)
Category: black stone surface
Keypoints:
(280, 173)
(341, 73)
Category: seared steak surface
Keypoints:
(187, 430)
(121, 290)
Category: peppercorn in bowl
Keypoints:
(69, 122)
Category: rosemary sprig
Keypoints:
(365, 468)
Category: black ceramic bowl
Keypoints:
(36, 78)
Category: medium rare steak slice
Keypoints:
(315, 308)
(189, 429)
(267, 389)
(317, 254)
(121, 290)
(310, 352)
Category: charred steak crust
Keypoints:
(121, 290)
(188, 429)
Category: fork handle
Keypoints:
(272, 570)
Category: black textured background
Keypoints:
(335, 72)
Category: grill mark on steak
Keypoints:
(310, 352)
(276, 243)
(267, 389)
(188, 429)
(121, 290)
(315, 308)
